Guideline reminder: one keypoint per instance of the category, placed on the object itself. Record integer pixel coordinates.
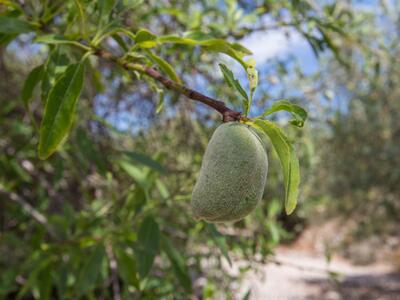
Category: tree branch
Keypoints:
(35, 214)
(228, 114)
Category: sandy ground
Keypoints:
(303, 276)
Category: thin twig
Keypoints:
(227, 113)
(35, 214)
(114, 273)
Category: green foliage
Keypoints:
(177, 262)
(149, 237)
(298, 113)
(34, 77)
(10, 25)
(108, 213)
(235, 84)
(288, 159)
(59, 111)
(220, 241)
(91, 270)
(164, 66)
(127, 267)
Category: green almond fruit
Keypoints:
(232, 176)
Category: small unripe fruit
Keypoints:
(232, 175)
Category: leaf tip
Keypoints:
(290, 209)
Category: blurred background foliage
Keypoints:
(108, 217)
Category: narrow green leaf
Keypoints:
(9, 25)
(288, 159)
(222, 46)
(240, 48)
(149, 244)
(126, 267)
(91, 270)
(137, 174)
(160, 103)
(164, 66)
(54, 67)
(145, 39)
(162, 189)
(105, 8)
(235, 51)
(298, 113)
(82, 24)
(219, 240)
(336, 51)
(111, 29)
(34, 77)
(234, 83)
(120, 41)
(178, 263)
(56, 39)
(174, 39)
(60, 110)
(252, 75)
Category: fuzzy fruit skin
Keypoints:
(232, 176)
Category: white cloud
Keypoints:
(270, 44)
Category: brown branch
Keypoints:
(228, 114)
(114, 273)
(35, 214)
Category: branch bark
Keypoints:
(228, 114)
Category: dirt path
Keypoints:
(304, 276)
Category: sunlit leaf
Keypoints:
(112, 29)
(252, 75)
(298, 113)
(59, 111)
(288, 159)
(145, 39)
(162, 189)
(234, 83)
(160, 103)
(164, 66)
(213, 45)
(55, 39)
(240, 48)
(137, 174)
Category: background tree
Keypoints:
(107, 215)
